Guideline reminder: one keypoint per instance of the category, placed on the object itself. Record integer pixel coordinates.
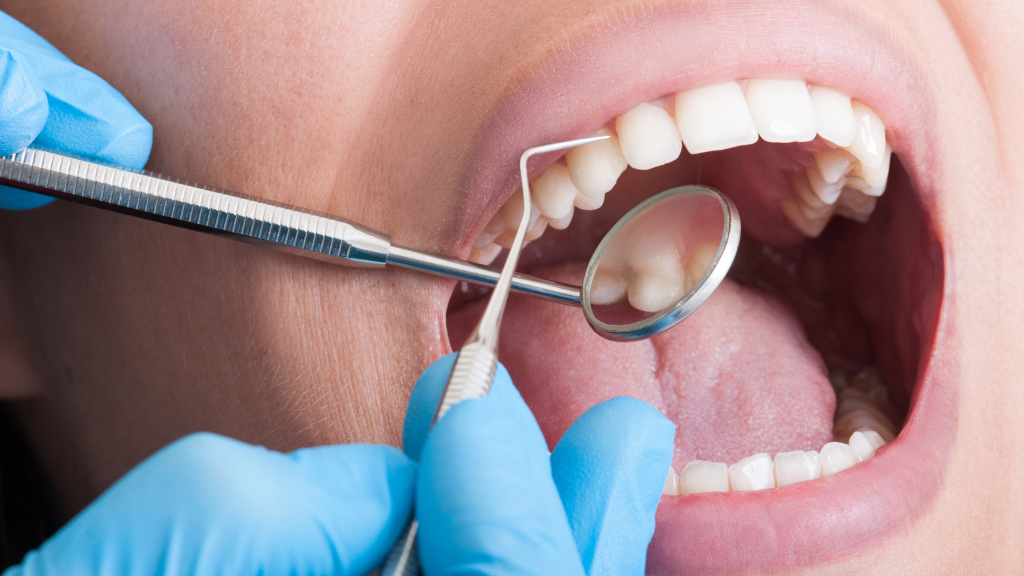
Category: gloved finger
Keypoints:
(423, 401)
(86, 116)
(610, 469)
(23, 107)
(485, 499)
(210, 505)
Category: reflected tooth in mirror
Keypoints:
(596, 167)
(855, 205)
(833, 164)
(671, 487)
(834, 111)
(869, 141)
(782, 110)
(608, 286)
(563, 222)
(588, 202)
(554, 192)
(861, 446)
(796, 466)
(827, 193)
(752, 473)
(877, 177)
(836, 457)
(653, 290)
(648, 136)
(714, 117)
(699, 477)
(700, 258)
(484, 255)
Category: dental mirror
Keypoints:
(660, 262)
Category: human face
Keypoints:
(409, 117)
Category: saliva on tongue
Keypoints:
(738, 377)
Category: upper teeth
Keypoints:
(717, 117)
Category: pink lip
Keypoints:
(638, 54)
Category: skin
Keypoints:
(120, 336)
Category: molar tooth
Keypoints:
(827, 193)
(862, 447)
(782, 110)
(834, 112)
(608, 286)
(657, 279)
(836, 457)
(700, 258)
(563, 222)
(796, 466)
(714, 117)
(648, 136)
(538, 228)
(596, 167)
(484, 255)
(833, 164)
(491, 231)
(588, 202)
(698, 477)
(859, 419)
(869, 142)
(752, 473)
(671, 483)
(809, 227)
(877, 177)
(806, 212)
(554, 192)
(512, 212)
(855, 205)
(874, 438)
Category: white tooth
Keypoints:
(491, 231)
(855, 205)
(535, 232)
(833, 164)
(698, 477)
(796, 466)
(806, 212)
(850, 399)
(484, 255)
(700, 258)
(861, 446)
(608, 287)
(859, 419)
(512, 212)
(648, 136)
(752, 473)
(596, 167)
(877, 177)
(836, 457)
(506, 238)
(714, 117)
(827, 193)
(563, 222)
(588, 202)
(658, 277)
(835, 115)
(874, 438)
(869, 142)
(671, 483)
(809, 227)
(554, 192)
(782, 110)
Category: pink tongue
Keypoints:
(737, 377)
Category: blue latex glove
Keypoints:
(46, 100)
(490, 500)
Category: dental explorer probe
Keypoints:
(473, 372)
(242, 217)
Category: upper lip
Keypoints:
(622, 56)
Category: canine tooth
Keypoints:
(554, 192)
(608, 287)
(648, 137)
(869, 142)
(671, 483)
(484, 255)
(855, 205)
(699, 476)
(782, 110)
(752, 473)
(714, 117)
(596, 167)
(827, 193)
(836, 457)
(588, 202)
(876, 178)
(834, 112)
(833, 164)
(861, 446)
(796, 466)
(563, 222)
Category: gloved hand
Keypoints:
(47, 100)
(488, 500)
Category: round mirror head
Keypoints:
(660, 262)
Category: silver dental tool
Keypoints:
(672, 217)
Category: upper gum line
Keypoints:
(717, 117)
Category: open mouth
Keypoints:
(812, 420)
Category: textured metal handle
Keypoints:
(471, 377)
(150, 196)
